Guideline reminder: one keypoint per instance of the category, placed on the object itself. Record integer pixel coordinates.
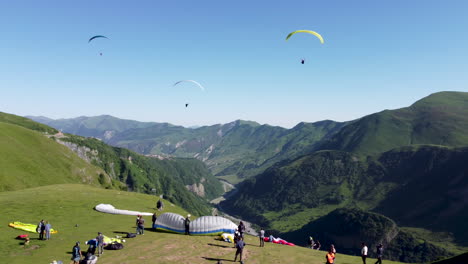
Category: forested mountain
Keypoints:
(237, 149)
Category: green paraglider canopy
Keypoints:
(306, 31)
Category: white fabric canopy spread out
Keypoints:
(108, 208)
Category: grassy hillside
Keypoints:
(35, 158)
(26, 123)
(439, 119)
(29, 159)
(75, 207)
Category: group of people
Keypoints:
(93, 244)
(239, 243)
(44, 228)
(331, 253)
(364, 251)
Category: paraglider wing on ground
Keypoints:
(205, 225)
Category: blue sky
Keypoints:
(377, 55)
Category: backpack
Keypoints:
(131, 235)
(114, 246)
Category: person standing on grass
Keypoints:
(239, 249)
(153, 219)
(241, 228)
(363, 252)
(310, 242)
(330, 257)
(379, 254)
(40, 227)
(76, 254)
(141, 225)
(47, 229)
(187, 224)
(262, 237)
(100, 243)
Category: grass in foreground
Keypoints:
(68, 205)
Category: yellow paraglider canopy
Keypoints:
(306, 31)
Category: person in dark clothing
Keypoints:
(41, 230)
(237, 237)
(302, 61)
(159, 205)
(100, 243)
(76, 254)
(92, 244)
(379, 254)
(241, 229)
(317, 245)
(187, 224)
(239, 249)
(153, 219)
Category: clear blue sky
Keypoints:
(377, 55)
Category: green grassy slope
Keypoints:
(439, 119)
(28, 159)
(32, 158)
(75, 207)
(26, 123)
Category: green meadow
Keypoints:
(69, 208)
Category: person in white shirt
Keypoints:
(363, 252)
(262, 237)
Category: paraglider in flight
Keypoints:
(302, 61)
(192, 81)
(186, 105)
(306, 31)
(97, 36)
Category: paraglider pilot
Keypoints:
(187, 224)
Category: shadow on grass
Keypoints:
(216, 245)
(218, 259)
(120, 232)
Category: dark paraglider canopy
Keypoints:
(97, 36)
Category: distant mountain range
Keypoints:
(239, 149)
